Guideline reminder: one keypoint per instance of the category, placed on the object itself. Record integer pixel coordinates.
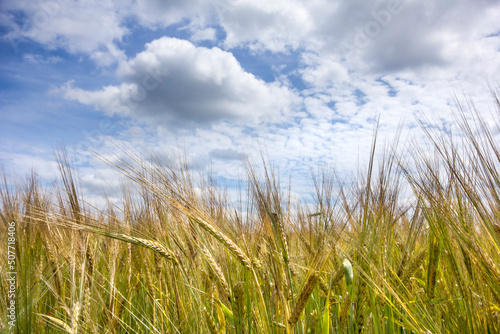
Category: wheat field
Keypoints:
(356, 259)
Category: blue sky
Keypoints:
(303, 81)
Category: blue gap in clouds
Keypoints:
(495, 34)
(391, 91)
(135, 42)
(360, 97)
(255, 64)
(267, 65)
(297, 82)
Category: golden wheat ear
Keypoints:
(303, 297)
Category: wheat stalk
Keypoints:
(75, 315)
(217, 270)
(222, 238)
(413, 266)
(303, 297)
(153, 245)
(239, 307)
(86, 307)
(359, 311)
(346, 303)
(210, 322)
(432, 268)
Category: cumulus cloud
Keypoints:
(173, 82)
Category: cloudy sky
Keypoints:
(303, 81)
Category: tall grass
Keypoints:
(357, 260)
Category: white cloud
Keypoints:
(322, 72)
(42, 163)
(89, 27)
(173, 82)
(273, 25)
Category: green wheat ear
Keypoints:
(347, 271)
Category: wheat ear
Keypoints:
(217, 270)
(346, 303)
(210, 322)
(153, 245)
(223, 239)
(303, 297)
(239, 307)
(413, 266)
